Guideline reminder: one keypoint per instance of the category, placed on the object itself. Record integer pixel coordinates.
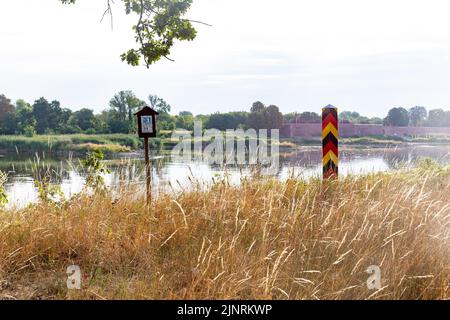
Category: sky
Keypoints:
(301, 55)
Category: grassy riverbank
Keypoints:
(123, 143)
(264, 239)
(374, 141)
(78, 143)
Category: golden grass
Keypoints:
(262, 240)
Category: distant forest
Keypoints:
(49, 117)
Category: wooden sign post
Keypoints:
(147, 129)
(330, 142)
(148, 171)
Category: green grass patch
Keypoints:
(65, 143)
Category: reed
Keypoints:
(263, 239)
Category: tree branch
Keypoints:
(108, 11)
(200, 22)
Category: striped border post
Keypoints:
(330, 141)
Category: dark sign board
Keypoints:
(147, 122)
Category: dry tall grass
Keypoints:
(263, 240)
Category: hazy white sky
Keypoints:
(360, 55)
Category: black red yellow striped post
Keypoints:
(330, 142)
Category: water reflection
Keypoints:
(175, 176)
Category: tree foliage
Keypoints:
(310, 117)
(48, 115)
(417, 116)
(159, 24)
(6, 108)
(83, 119)
(397, 117)
(159, 105)
(126, 104)
(262, 117)
(274, 117)
(438, 118)
(225, 121)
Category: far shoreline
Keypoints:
(113, 145)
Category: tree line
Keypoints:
(398, 117)
(417, 117)
(49, 117)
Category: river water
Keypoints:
(173, 176)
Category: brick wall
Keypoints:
(309, 130)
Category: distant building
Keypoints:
(347, 129)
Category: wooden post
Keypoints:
(330, 139)
(146, 123)
(148, 171)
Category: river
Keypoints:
(172, 176)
